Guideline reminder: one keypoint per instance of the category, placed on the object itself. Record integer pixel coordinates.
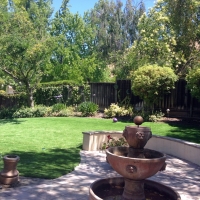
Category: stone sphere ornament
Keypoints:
(115, 120)
(138, 120)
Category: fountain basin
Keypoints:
(112, 188)
(135, 168)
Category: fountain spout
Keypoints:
(137, 136)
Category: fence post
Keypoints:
(191, 106)
(115, 93)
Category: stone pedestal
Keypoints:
(133, 190)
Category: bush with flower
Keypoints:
(113, 142)
(117, 111)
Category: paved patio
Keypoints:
(179, 174)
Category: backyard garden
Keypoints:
(49, 147)
(50, 61)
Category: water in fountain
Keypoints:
(135, 164)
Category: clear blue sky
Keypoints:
(81, 6)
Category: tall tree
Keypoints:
(115, 28)
(169, 35)
(73, 59)
(99, 20)
(186, 24)
(25, 47)
(132, 13)
(123, 60)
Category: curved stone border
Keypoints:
(176, 147)
(93, 140)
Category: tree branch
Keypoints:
(10, 74)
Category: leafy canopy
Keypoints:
(193, 82)
(73, 58)
(169, 36)
(25, 47)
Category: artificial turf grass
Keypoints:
(49, 147)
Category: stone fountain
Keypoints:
(135, 164)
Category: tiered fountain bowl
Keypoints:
(134, 164)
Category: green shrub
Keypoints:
(193, 82)
(58, 107)
(151, 82)
(70, 110)
(67, 111)
(23, 113)
(59, 110)
(116, 111)
(61, 113)
(64, 113)
(37, 111)
(156, 116)
(7, 113)
(2, 92)
(87, 108)
(42, 111)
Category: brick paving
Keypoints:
(181, 175)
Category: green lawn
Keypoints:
(49, 147)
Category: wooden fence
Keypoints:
(179, 100)
(103, 94)
(7, 102)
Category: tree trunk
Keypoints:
(30, 96)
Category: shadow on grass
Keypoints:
(185, 130)
(48, 164)
(11, 121)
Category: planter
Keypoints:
(10, 175)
